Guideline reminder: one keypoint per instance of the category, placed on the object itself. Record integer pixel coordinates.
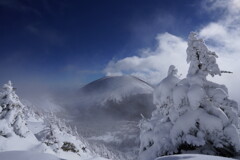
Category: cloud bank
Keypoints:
(152, 65)
(221, 36)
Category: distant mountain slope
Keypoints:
(122, 97)
(110, 108)
(115, 88)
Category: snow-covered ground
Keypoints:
(26, 155)
(30, 155)
(192, 157)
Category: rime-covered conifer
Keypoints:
(192, 113)
(11, 113)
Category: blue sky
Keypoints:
(70, 43)
(60, 41)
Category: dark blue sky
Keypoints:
(69, 42)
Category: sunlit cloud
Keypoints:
(221, 36)
(151, 65)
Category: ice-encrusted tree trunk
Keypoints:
(193, 113)
(11, 113)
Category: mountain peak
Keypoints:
(116, 88)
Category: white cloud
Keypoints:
(152, 65)
(222, 36)
(228, 6)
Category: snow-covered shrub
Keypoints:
(48, 136)
(11, 117)
(105, 152)
(192, 113)
(61, 138)
(67, 146)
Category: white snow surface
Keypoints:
(192, 157)
(26, 155)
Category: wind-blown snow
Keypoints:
(115, 88)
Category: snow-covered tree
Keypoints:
(22, 128)
(192, 113)
(11, 113)
(49, 137)
(60, 137)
